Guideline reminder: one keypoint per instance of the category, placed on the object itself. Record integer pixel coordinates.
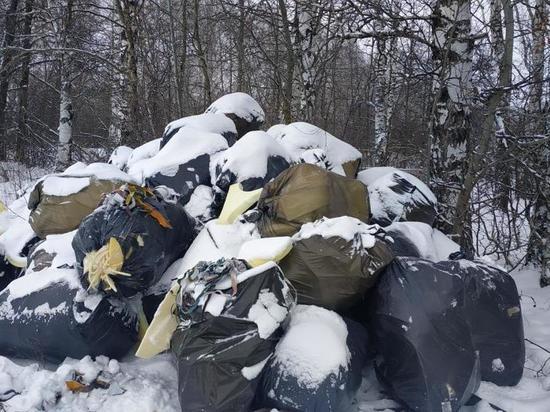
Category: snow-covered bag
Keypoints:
(59, 202)
(334, 262)
(126, 244)
(182, 164)
(396, 195)
(494, 313)
(242, 109)
(120, 156)
(419, 324)
(207, 122)
(315, 145)
(145, 151)
(316, 365)
(47, 314)
(417, 239)
(230, 321)
(253, 161)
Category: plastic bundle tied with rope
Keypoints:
(128, 242)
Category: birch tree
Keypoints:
(452, 50)
(65, 128)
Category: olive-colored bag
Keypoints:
(51, 215)
(305, 193)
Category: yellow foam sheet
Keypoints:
(236, 203)
(159, 333)
(259, 251)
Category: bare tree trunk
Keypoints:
(65, 129)
(23, 93)
(539, 241)
(452, 51)
(125, 110)
(384, 101)
(308, 46)
(203, 62)
(240, 48)
(290, 64)
(477, 156)
(539, 30)
(176, 68)
(6, 70)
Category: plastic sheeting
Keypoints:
(421, 332)
(305, 193)
(219, 348)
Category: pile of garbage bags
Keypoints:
(272, 269)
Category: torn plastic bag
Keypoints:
(207, 122)
(334, 262)
(182, 164)
(242, 109)
(494, 313)
(334, 154)
(126, 245)
(420, 330)
(59, 202)
(317, 363)
(230, 321)
(46, 315)
(396, 195)
(253, 161)
(417, 239)
(305, 193)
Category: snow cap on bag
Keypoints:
(242, 109)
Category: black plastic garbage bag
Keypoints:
(186, 178)
(126, 244)
(396, 195)
(494, 313)
(47, 315)
(227, 333)
(420, 330)
(317, 364)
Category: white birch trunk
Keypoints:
(452, 51)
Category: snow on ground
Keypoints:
(15, 177)
(151, 385)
